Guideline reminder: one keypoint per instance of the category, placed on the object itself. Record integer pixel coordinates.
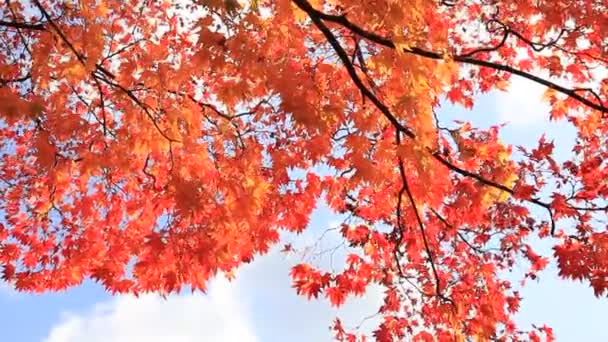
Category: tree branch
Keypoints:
(318, 16)
(425, 240)
(333, 41)
(4, 82)
(23, 25)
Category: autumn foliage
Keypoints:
(150, 144)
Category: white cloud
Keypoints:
(259, 305)
(215, 317)
(522, 103)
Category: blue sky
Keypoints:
(260, 304)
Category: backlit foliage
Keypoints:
(150, 144)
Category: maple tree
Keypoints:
(149, 145)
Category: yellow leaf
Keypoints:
(502, 85)
(549, 95)
(102, 9)
(401, 44)
(446, 71)
(75, 71)
(299, 15)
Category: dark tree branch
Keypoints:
(318, 16)
(147, 173)
(57, 30)
(104, 72)
(4, 82)
(21, 36)
(23, 25)
(140, 104)
(400, 228)
(425, 240)
(333, 41)
(459, 234)
(493, 184)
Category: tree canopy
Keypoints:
(150, 144)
